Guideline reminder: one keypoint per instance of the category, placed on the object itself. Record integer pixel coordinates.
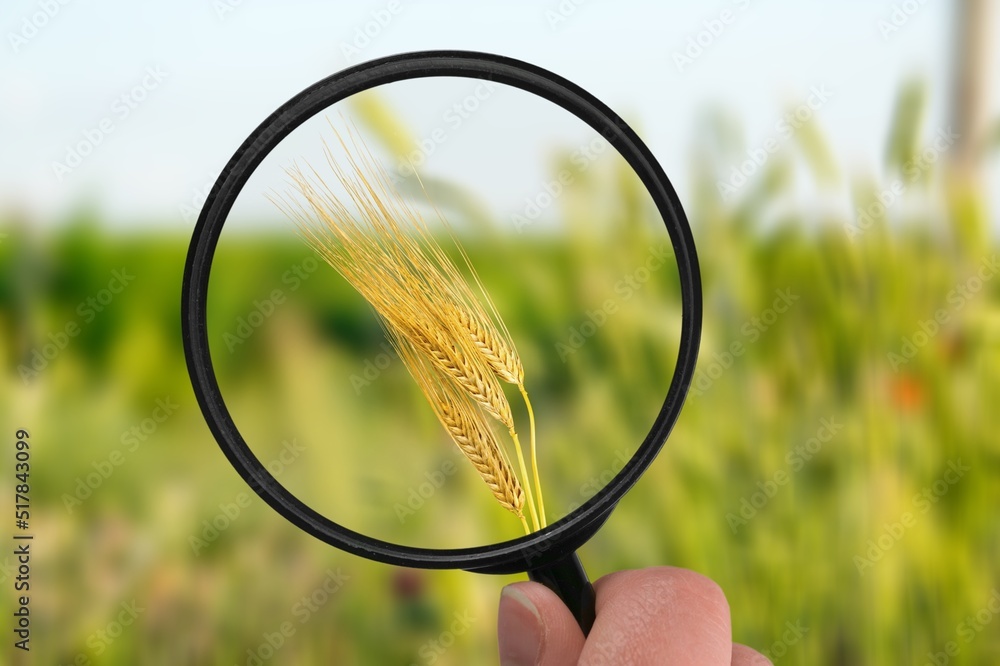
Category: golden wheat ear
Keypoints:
(466, 425)
(470, 321)
(385, 250)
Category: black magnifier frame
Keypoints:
(549, 555)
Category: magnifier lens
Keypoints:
(562, 236)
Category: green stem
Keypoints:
(524, 475)
(534, 458)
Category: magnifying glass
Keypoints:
(548, 555)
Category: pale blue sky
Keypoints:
(226, 71)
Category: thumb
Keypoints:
(534, 627)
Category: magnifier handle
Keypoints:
(567, 579)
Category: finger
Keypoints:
(744, 656)
(661, 615)
(534, 627)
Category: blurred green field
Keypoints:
(865, 538)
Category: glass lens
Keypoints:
(457, 231)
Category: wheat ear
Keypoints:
(463, 311)
(466, 426)
(388, 255)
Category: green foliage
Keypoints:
(908, 120)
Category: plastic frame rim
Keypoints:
(559, 538)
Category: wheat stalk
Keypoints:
(387, 253)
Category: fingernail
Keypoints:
(519, 629)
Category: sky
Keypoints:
(165, 92)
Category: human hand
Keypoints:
(658, 616)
